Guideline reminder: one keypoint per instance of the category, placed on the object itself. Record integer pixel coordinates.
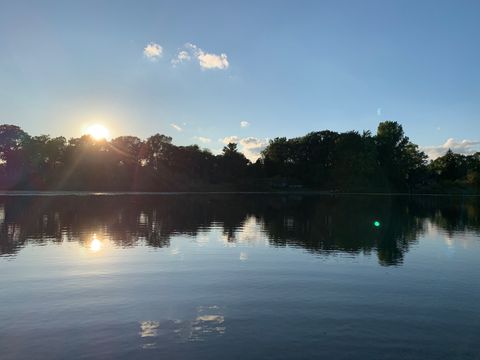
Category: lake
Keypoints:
(239, 277)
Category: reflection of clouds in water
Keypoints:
(463, 241)
(202, 238)
(228, 241)
(251, 232)
(450, 250)
(449, 242)
(149, 328)
(211, 318)
(453, 240)
(206, 325)
(432, 229)
(208, 322)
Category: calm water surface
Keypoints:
(239, 277)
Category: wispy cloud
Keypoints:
(181, 56)
(244, 124)
(176, 127)
(202, 139)
(153, 51)
(205, 60)
(465, 147)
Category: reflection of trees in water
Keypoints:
(459, 214)
(320, 224)
(345, 224)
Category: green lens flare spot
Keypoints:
(376, 223)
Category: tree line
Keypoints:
(325, 160)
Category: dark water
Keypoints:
(239, 277)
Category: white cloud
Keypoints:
(213, 61)
(176, 127)
(379, 111)
(465, 147)
(153, 51)
(252, 142)
(244, 124)
(206, 60)
(251, 147)
(230, 139)
(202, 139)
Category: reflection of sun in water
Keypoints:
(98, 131)
(95, 244)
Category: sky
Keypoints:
(209, 72)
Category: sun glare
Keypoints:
(98, 132)
(95, 244)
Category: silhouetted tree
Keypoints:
(399, 159)
(324, 160)
(232, 164)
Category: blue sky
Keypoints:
(283, 68)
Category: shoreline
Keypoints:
(170, 193)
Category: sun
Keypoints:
(98, 132)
